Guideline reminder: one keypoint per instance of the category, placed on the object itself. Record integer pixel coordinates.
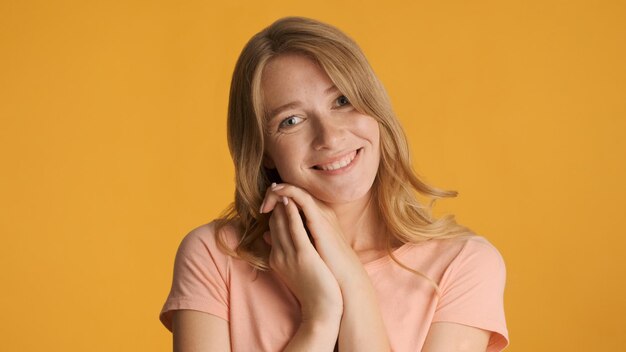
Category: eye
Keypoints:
(342, 100)
(290, 121)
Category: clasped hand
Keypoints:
(315, 274)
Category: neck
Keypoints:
(361, 224)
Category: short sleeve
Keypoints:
(473, 291)
(200, 277)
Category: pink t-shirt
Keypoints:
(264, 315)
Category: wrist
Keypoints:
(357, 279)
(321, 325)
(322, 315)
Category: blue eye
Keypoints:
(290, 121)
(343, 100)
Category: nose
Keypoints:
(328, 132)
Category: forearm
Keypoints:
(314, 336)
(362, 327)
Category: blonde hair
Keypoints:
(394, 189)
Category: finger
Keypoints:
(281, 230)
(274, 230)
(270, 200)
(267, 191)
(309, 205)
(296, 226)
(276, 245)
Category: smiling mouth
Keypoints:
(338, 164)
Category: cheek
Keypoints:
(286, 158)
(371, 132)
(375, 131)
(369, 129)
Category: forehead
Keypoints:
(289, 76)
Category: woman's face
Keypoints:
(314, 137)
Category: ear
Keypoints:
(268, 163)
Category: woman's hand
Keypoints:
(325, 230)
(300, 267)
(362, 327)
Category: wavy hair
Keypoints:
(396, 185)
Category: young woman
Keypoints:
(326, 245)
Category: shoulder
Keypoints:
(209, 232)
(470, 244)
(462, 247)
(478, 249)
(201, 273)
(472, 288)
(474, 259)
(445, 259)
(204, 239)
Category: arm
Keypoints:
(196, 309)
(195, 331)
(314, 335)
(198, 331)
(470, 312)
(362, 327)
(444, 336)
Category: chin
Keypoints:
(346, 195)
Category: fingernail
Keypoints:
(261, 209)
(273, 185)
(285, 200)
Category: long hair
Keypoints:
(396, 185)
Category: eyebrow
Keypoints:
(295, 104)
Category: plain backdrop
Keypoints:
(113, 147)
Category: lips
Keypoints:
(337, 163)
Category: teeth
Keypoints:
(338, 164)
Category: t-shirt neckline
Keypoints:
(376, 263)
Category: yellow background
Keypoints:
(112, 142)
